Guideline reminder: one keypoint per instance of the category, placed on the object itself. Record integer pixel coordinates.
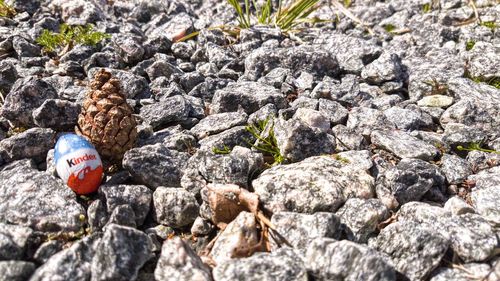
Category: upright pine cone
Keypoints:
(106, 118)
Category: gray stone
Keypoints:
(483, 60)
(155, 165)
(481, 160)
(24, 48)
(179, 262)
(421, 212)
(404, 145)
(175, 27)
(219, 55)
(409, 180)
(137, 197)
(334, 111)
(364, 120)
(414, 250)
(73, 263)
(16, 270)
(190, 80)
(301, 58)
(161, 68)
(236, 136)
(47, 250)
(409, 118)
(298, 140)
(249, 96)
(37, 200)
(477, 107)
(129, 47)
(97, 214)
(182, 50)
(360, 218)
(457, 206)
(298, 230)
(239, 233)
(485, 201)
(170, 110)
(175, 207)
(472, 237)
(57, 114)
(205, 167)
(75, 12)
(14, 241)
(467, 272)
(436, 101)
(385, 68)
(120, 254)
(282, 265)
(455, 169)
(351, 52)
(348, 139)
(429, 73)
(8, 75)
(276, 77)
(328, 259)
(264, 113)
(32, 143)
(26, 95)
(457, 134)
(201, 227)
(315, 184)
(217, 123)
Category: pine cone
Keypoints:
(106, 118)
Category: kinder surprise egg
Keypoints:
(78, 163)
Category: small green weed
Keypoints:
(6, 10)
(266, 140)
(69, 36)
(389, 27)
(474, 146)
(469, 45)
(347, 3)
(224, 150)
(427, 8)
(489, 24)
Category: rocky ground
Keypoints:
(369, 120)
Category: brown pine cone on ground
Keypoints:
(106, 118)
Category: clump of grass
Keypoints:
(250, 13)
(469, 45)
(6, 10)
(474, 146)
(285, 18)
(69, 36)
(266, 140)
(489, 24)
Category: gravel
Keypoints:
(388, 131)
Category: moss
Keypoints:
(489, 24)
(389, 27)
(427, 8)
(469, 45)
(224, 150)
